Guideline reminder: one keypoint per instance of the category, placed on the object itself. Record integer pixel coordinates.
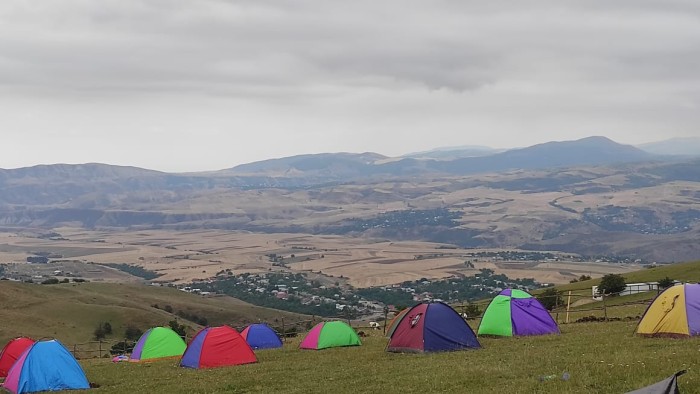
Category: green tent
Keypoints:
(330, 334)
(516, 313)
(156, 343)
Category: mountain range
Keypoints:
(590, 196)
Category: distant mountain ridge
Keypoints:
(586, 151)
(102, 186)
(689, 146)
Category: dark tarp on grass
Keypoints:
(666, 386)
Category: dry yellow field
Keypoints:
(182, 256)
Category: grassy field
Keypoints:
(686, 272)
(599, 357)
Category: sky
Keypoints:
(179, 86)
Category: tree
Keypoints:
(665, 283)
(107, 328)
(584, 277)
(550, 298)
(611, 284)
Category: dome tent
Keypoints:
(217, 347)
(330, 334)
(11, 352)
(432, 327)
(45, 366)
(516, 313)
(261, 336)
(673, 313)
(157, 343)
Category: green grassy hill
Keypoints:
(72, 311)
(685, 272)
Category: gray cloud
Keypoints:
(343, 75)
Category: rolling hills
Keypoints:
(72, 311)
(592, 196)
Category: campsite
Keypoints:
(586, 357)
(600, 357)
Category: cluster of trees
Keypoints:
(55, 281)
(580, 279)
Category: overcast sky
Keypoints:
(208, 84)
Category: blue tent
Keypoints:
(432, 327)
(261, 336)
(45, 366)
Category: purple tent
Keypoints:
(516, 313)
(433, 327)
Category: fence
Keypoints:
(569, 307)
(580, 306)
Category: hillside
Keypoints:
(688, 272)
(586, 151)
(71, 311)
(689, 146)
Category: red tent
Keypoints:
(11, 352)
(217, 347)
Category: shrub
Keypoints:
(177, 327)
(472, 310)
(122, 347)
(132, 333)
(550, 298)
(50, 281)
(665, 283)
(99, 332)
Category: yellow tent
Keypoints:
(675, 312)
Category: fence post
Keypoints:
(605, 308)
(556, 307)
(75, 350)
(568, 305)
(99, 348)
(386, 314)
(124, 346)
(284, 331)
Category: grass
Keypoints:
(71, 311)
(600, 357)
